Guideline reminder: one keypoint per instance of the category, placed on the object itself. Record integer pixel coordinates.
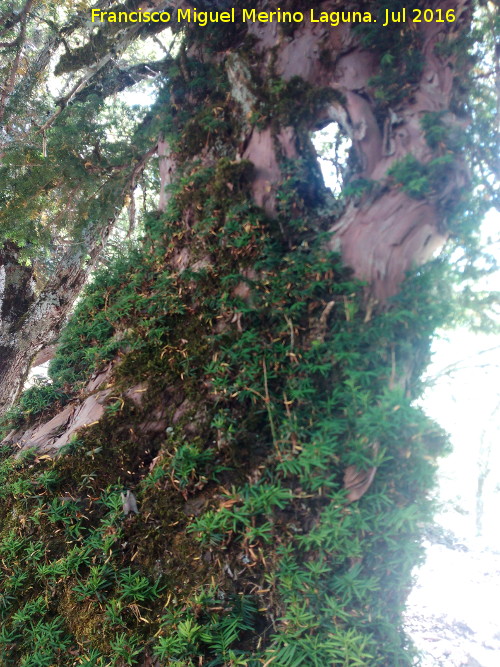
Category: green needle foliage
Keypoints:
(246, 549)
(168, 578)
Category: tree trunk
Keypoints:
(255, 406)
(17, 293)
(30, 321)
(484, 467)
(30, 318)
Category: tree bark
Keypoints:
(251, 351)
(31, 321)
(17, 294)
(383, 235)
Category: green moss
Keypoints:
(199, 517)
(261, 387)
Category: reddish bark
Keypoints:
(380, 239)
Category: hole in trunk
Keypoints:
(333, 150)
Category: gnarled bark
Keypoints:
(381, 237)
(29, 321)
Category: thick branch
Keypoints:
(117, 79)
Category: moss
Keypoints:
(191, 535)
(265, 414)
(86, 621)
(232, 180)
(245, 547)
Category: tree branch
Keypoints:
(11, 78)
(117, 79)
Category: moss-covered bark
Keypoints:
(259, 396)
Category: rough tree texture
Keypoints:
(31, 317)
(251, 383)
(30, 321)
(380, 238)
(17, 293)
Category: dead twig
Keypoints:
(267, 401)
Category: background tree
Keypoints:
(246, 373)
(65, 177)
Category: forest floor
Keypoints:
(454, 610)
